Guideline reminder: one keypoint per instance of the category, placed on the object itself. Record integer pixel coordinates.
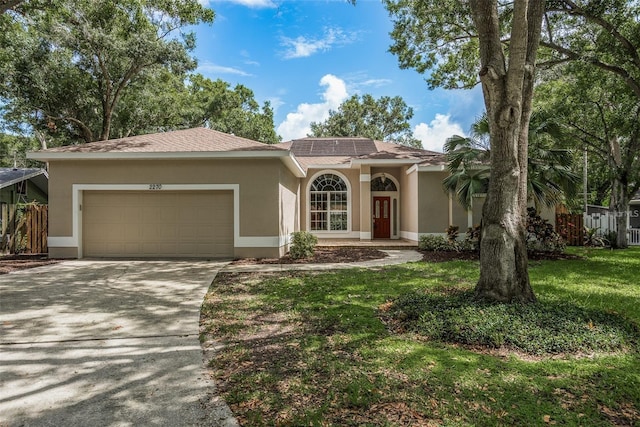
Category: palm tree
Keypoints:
(550, 177)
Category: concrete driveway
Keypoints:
(106, 343)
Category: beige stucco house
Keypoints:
(203, 193)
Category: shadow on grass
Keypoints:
(309, 349)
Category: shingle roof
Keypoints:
(11, 176)
(188, 140)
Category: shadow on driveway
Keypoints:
(106, 343)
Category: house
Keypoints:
(634, 211)
(202, 193)
(17, 186)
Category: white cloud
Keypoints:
(376, 82)
(298, 123)
(253, 4)
(211, 68)
(435, 134)
(301, 46)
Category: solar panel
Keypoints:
(324, 147)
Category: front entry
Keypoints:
(381, 217)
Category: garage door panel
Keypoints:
(158, 224)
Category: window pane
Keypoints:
(338, 221)
(318, 221)
(318, 201)
(338, 201)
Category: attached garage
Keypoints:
(157, 224)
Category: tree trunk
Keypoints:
(618, 207)
(503, 253)
(508, 91)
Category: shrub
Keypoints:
(452, 315)
(429, 242)
(593, 238)
(303, 244)
(452, 233)
(541, 237)
(472, 239)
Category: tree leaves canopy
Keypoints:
(384, 119)
(68, 67)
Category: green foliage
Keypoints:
(436, 243)
(18, 146)
(215, 105)
(452, 233)
(593, 238)
(541, 237)
(66, 69)
(384, 119)
(550, 178)
(547, 327)
(303, 244)
(336, 355)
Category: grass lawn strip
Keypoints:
(310, 349)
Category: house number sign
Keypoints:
(155, 186)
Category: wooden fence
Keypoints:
(29, 235)
(571, 228)
(35, 228)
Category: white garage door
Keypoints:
(157, 224)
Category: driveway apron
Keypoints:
(106, 343)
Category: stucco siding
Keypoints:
(289, 207)
(433, 205)
(409, 204)
(257, 181)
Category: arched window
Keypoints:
(383, 184)
(328, 203)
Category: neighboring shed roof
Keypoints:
(11, 176)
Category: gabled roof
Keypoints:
(11, 176)
(180, 141)
(180, 144)
(344, 152)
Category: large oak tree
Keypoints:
(451, 39)
(67, 68)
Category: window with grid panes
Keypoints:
(328, 203)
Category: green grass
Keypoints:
(310, 349)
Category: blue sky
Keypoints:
(306, 57)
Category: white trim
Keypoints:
(411, 170)
(409, 235)
(330, 166)
(334, 235)
(75, 240)
(249, 154)
(386, 162)
(325, 233)
(365, 177)
(365, 235)
(431, 168)
(61, 242)
(286, 156)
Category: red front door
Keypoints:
(381, 217)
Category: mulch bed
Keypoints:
(443, 256)
(325, 255)
(9, 263)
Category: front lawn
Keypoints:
(311, 349)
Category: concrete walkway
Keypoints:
(106, 343)
(394, 257)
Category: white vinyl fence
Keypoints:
(606, 222)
